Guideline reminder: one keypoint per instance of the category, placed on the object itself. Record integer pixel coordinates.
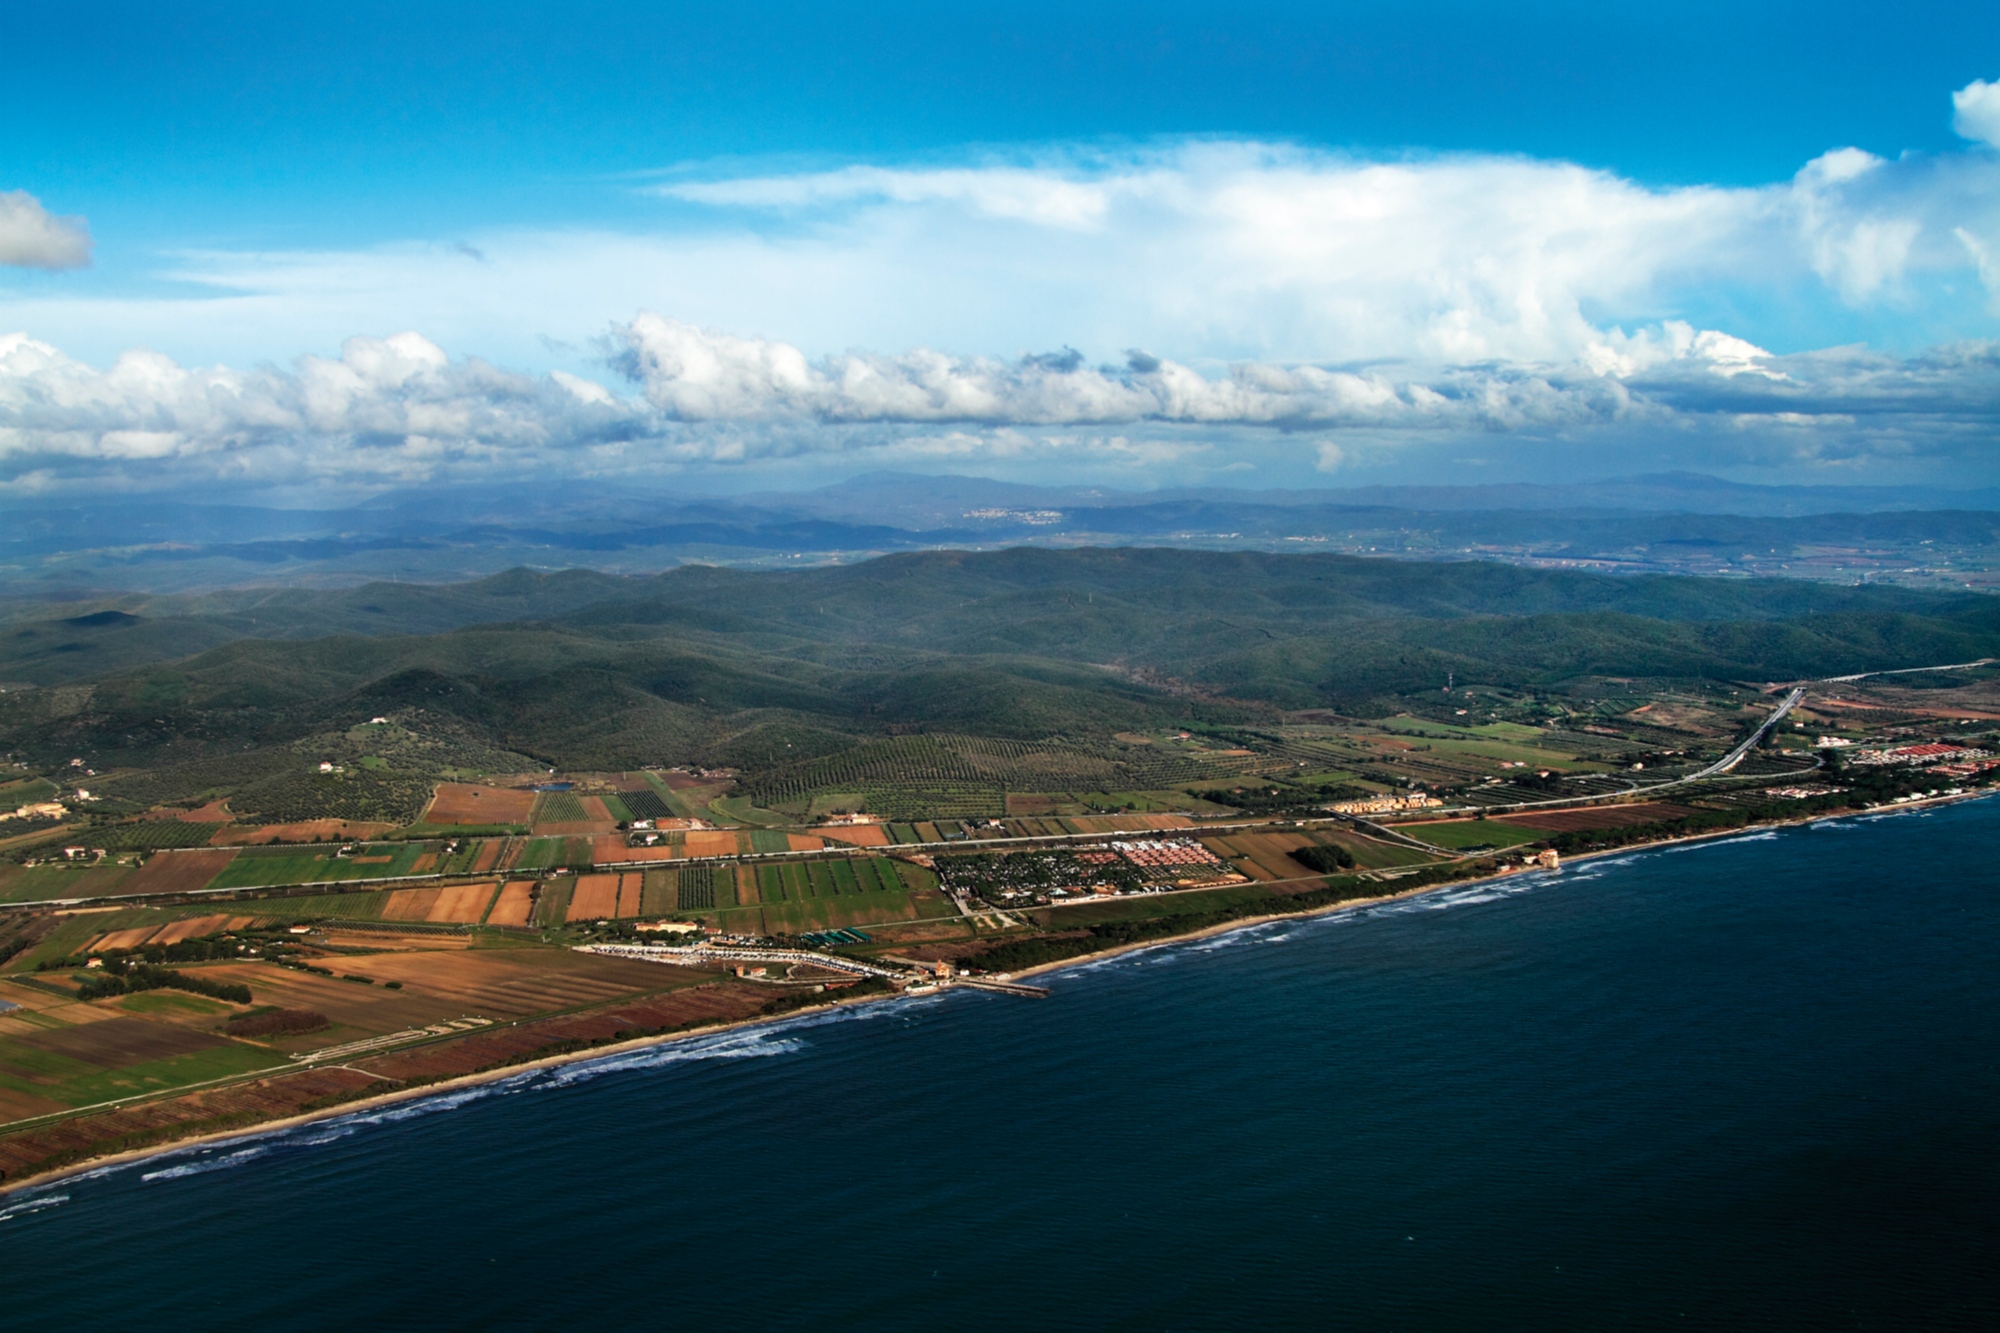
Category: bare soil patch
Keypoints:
(312, 830)
(462, 903)
(410, 904)
(196, 926)
(176, 872)
(470, 803)
(1604, 816)
(514, 904)
(595, 898)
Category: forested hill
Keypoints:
(725, 665)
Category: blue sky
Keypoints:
(1352, 242)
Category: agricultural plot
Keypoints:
(644, 805)
(468, 803)
(177, 872)
(149, 835)
(514, 905)
(552, 903)
(857, 835)
(696, 887)
(1461, 835)
(657, 895)
(1597, 817)
(550, 853)
(594, 897)
(256, 867)
(771, 886)
(34, 884)
(457, 903)
(559, 807)
(98, 1059)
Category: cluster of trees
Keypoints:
(120, 978)
(1326, 860)
(276, 1022)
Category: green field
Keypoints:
(77, 1083)
(1459, 835)
(34, 884)
(259, 867)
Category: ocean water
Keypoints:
(1751, 1084)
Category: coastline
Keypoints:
(443, 1087)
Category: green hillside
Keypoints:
(763, 670)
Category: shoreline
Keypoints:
(379, 1100)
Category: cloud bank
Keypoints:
(31, 237)
(1227, 291)
(399, 409)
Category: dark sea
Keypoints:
(1752, 1084)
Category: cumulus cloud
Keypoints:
(1212, 252)
(400, 409)
(1976, 111)
(697, 375)
(393, 406)
(32, 237)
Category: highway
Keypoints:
(1735, 756)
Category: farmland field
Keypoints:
(261, 868)
(1459, 834)
(1596, 817)
(177, 872)
(595, 897)
(513, 905)
(559, 807)
(26, 884)
(644, 805)
(468, 803)
(459, 903)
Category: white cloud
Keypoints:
(1215, 252)
(32, 237)
(400, 409)
(1280, 291)
(1976, 111)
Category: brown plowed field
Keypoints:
(462, 902)
(606, 848)
(805, 842)
(176, 872)
(715, 1002)
(120, 939)
(456, 903)
(857, 835)
(315, 830)
(488, 856)
(595, 898)
(469, 803)
(504, 983)
(197, 926)
(1603, 816)
(701, 842)
(513, 905)
(410, 904)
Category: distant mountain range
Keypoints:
(1670, 522)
